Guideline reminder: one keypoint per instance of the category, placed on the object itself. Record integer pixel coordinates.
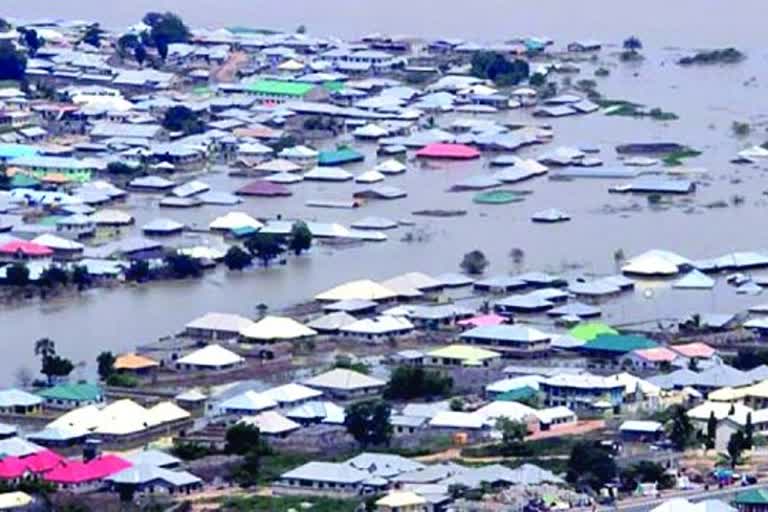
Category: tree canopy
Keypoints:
(494, 66)
(17, 274)
(681, 430)
(241, 438)
(106, 364)
(407, 383)
(165, 29)
(266, 247)
(301, 238)
(182, 119)
(13, 63)
(590, 464)
(474, 262)
(237, 259)
(368, 422)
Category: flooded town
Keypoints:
(323, 260)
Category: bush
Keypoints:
(120, 380)
(408, 383)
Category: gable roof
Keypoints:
(211, 356)
(343, 379)
(79, 392)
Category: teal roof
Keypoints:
(280, 88)
(339, 156)
(243, 231)
(24, 181)
(515, 395)
(752, 497)
(8, 151)
(80, 392)
(618, 343)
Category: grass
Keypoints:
(530, 449)
(272, 466)
(284, 504)
(625, 108)
(676, 158)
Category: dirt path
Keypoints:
(227, 72)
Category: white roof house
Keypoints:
(58, 243)
(332, 321)
(513, 411)
(271, 328)
(210, 357)
(328, 174)
(10, 398)
(343, 380)
(291, 394)
(271, 423)
(655, 262)
(457, 420)
(382, 325)
(362, 289)
(316, 410)
(112, 217)
(234, 220)
(219, 323)
(390, 166)
(248, 402)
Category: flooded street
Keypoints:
(706, 99)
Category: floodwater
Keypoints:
(707, 100)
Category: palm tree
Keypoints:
(45, 347)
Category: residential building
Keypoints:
(510, 340)
(581, 392)
(343, 384)
(71, 396)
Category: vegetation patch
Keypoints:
(719, 56)
(677, 158)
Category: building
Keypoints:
(39, 166)
(217, 326)
(583, 392)
(461, 356)
(16, 401)
(641, 431)
(280, 91)
(402, 501)
(344, 384)
(135, 364)
(210, 358)
(652, 359)
(753, 500)
(510, 340)
(151, 479)
(329, 479)
(71, 396)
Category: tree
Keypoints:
(590, 464)
(749, 432)
(56, 366)
(494, 66)
(537, 80)
(92, 35)
(242, 438)
(456, 404)
(237, 259)
(474, 262)
(711, 431)
(512, 434)
(681, 431)
(301, 29)
(121, 168)
(45, 347)
(53, 276)
(106, 364)
(301, 238)
(407, 383)
(81, 278)
(182, 119)
(518, 257)
(266, 247)
(4, 25)
(749, 358)
(735, 448)
(646, 471)
(17, 274)
(182, 266)
(368, 422)
(138, 271)
(632, 44)
(31, 40)
(127, 42)
(140, 54)
(165, 29)
(13, 63)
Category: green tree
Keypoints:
(512, 433)
(56, 366)
(4, 25)
(165, 29)
(138, 271)
(646, 472)
(31, 40)
(181, 266)
(474, 262)
(53, 276)
(407, 383)
(518, 258)
(140, 54)
(749, 432)
(711, 431)
(106, 364)
(242, 438)
(735, 448)
(494, 66)
(80, 277)
(13, 63)
(369, 422)
(301, 238)
(681, 430)
(183, 119)
(590, 464)
(92, 35)
(632, 44)
(265, 247)
(237, 259)
(121, 168)
(301, 29)
(456, 404)
(17, 274)
(127, 42)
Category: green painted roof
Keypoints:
(515, 395)
(590, 331)
(80, 392)
(333, 86)
(20, 180)
(280, 88)
(618, 344)
(339, 156)
(752, 497)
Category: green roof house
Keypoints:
(615, 345)
(285, 90)
(342, 155)
(754, 500)
(71, 396)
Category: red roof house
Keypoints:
(448, 151)
(74, 472)
(263, 188)
(42, 461)
(695, 350)
(25, 249)
(12, 468)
